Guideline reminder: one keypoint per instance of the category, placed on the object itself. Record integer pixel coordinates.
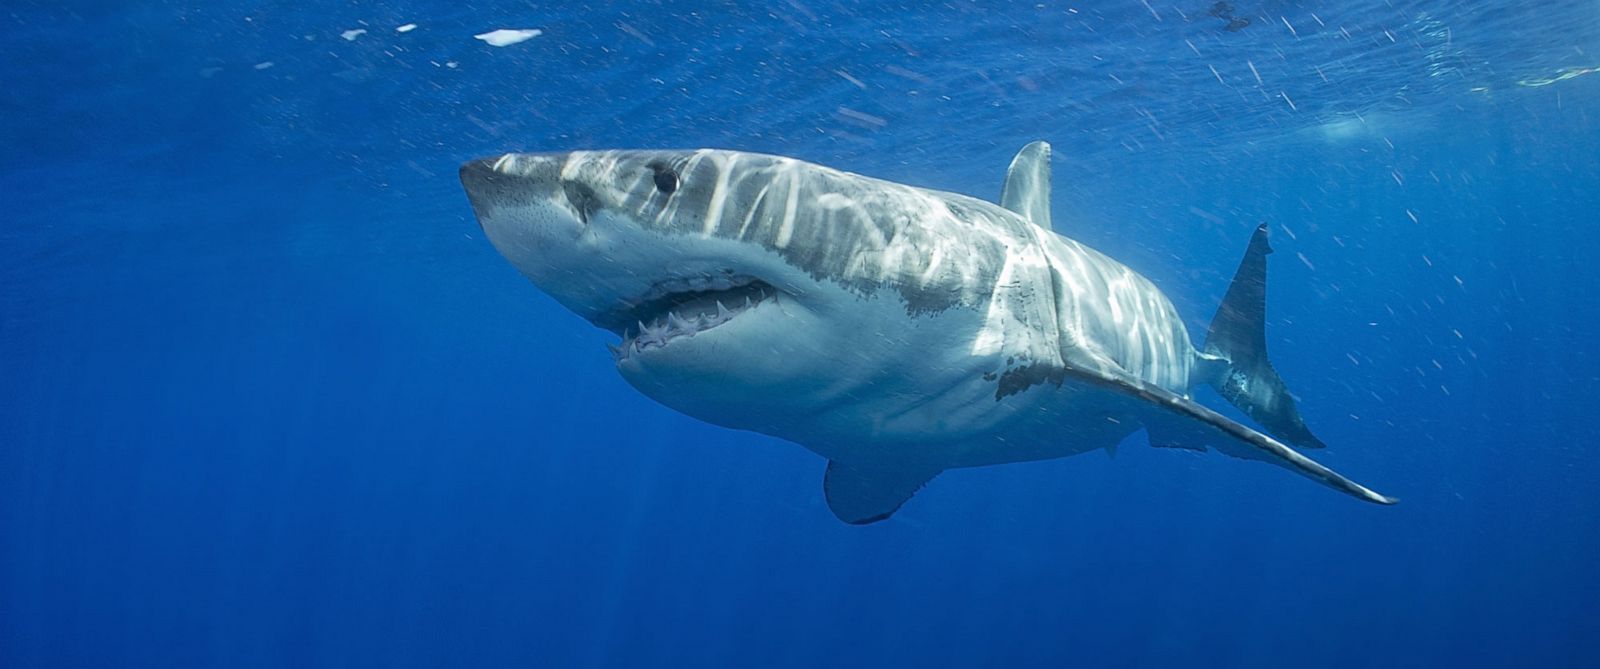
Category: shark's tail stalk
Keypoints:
(1237, 342)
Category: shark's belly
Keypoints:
(1045, 422)
(950, 414)
(1051, 422)
(932, 388)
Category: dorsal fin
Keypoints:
(1027, 189)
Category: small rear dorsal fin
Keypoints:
(865, 493)
(1027, 188)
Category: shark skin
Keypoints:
(896, 331)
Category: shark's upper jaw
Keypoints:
(678, 308)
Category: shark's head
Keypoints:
(732, 278)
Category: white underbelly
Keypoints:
(1042, 423)
(1053, 422)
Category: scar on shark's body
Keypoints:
(896, 331)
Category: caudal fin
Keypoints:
(1237, 345)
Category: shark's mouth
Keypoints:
(679, 308)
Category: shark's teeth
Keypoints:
(685, 320)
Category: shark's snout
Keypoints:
(520, 178)
(475, 171)
(477, 177)
(539, 167)
(514, 176)
(516, 180)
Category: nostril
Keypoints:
(582, 198)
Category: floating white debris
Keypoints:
(406, 28)
(263, 66)
(861, 118)
(1561, 75)
(624, 27)
(508, 37)
(351, 35)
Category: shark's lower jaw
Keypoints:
(682, 308)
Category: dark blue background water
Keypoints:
(267, 398)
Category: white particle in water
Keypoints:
(508, 37)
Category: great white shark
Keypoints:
(896, 331)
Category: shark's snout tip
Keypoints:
(476, 171)
(538, 167)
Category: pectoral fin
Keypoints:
(1242, 441)
(867, 493)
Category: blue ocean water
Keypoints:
(268, 398)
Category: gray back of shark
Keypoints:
(895, 330)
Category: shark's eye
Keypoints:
(666, 179)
